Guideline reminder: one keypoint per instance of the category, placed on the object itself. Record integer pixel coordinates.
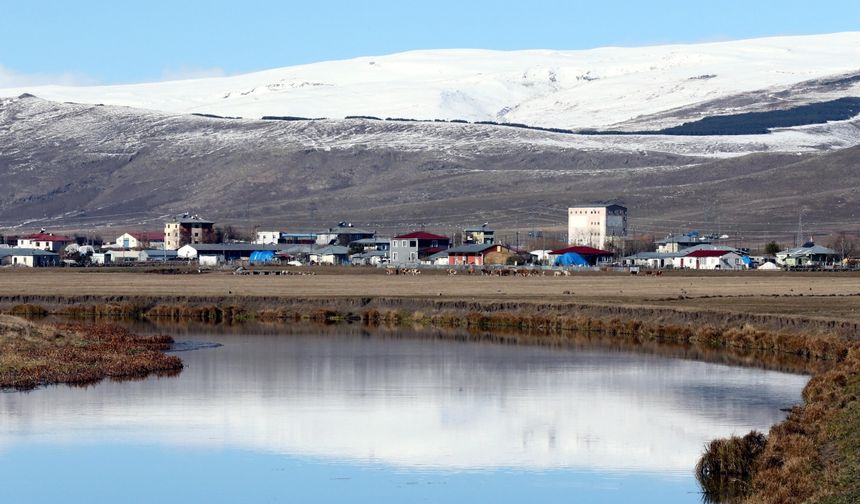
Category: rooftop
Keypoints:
(475, 248)
(421, 235)
(809, 249)
(148, 235)
(709, 253)
(47, 237)
(599, 205)
(331, 250)
(16, 251)
(581, 250)
(435, 257)
(159, 252)
(371, 253)
(372, 241)
(191, 219)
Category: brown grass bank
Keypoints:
(813, 456)
(34, 354)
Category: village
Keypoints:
(597, 239)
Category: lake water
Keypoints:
(349, 417)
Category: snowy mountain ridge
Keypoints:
(605, 88)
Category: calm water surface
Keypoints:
(350, 418)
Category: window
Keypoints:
(394, 256)
(434, 243)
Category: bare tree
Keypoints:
(844, 243)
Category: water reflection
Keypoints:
(414, 403)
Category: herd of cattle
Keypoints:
(522, 272)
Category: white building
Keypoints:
(267, 237)
(332, 254)
(343, 234)
(596, 226)
(44, 241)
(711, 260)
(139, 240)
(33, 258)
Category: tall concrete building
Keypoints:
(597, 226)
(188, 230)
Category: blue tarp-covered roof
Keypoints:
(570, 259)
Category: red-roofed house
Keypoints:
(140, 240)
(44, 241)
(711, 260)
(410, 248)
(479, 254)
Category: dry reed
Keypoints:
(33, 355)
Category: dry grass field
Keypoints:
(830, 296)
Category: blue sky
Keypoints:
(97, 41)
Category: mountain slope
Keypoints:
(68, 165)
(622, 88)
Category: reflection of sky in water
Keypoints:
(386, 412)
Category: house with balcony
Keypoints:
(411, 248)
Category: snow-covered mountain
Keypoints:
(606, 88)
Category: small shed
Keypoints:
(157, 255)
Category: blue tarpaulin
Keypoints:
(262, 256)
(570, 259)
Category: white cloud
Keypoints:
(185, 72)
(10, 78)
